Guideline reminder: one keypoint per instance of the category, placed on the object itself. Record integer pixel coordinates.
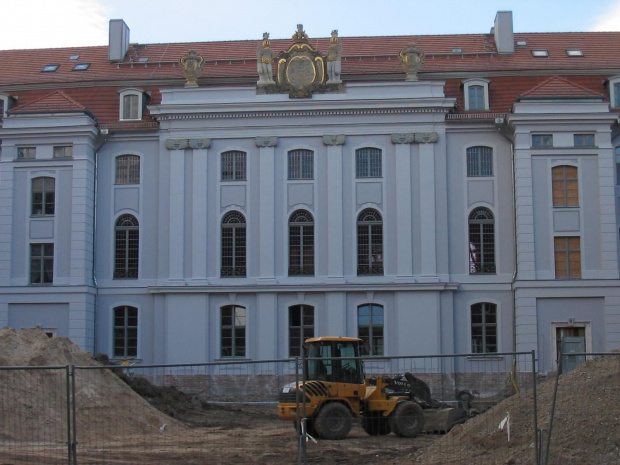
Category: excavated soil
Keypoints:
(127, 420)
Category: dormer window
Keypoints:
(614, 91)
(131, 104)
(476, 94)
(6, 102)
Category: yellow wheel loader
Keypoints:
(335, 393)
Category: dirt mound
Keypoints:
(36, 399)
(586, 426)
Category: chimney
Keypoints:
(502, 30)
(119, 40)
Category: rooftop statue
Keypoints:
(334, 59)
(191, 66)
(264, 59)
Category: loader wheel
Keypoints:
(376, 425)
(407, 420)
(334, 421)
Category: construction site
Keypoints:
(130, 415)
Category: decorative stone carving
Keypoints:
(264, 59)
(411, 59)
(335, 139)
(266, 141)
(199, 143)
(301, 69)
(191, 66)
(426, 137)
(177, 144)
(403, 138)
(334, 59)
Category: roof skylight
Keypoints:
(81, 66)
(521, 43)
(457, 50)
(574, 52)
(73, 57)
(143, 59)
(540, 53)
(50, 68)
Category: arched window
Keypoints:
(131, 104)
(481, 241)
(565, 186)
(127, 247)
(301, 164)
(125, 332)
(483, 328)
(479, 161)
(233, 324)
(476, 95)
(233, 245)
(370, 328)
(128, 169)
(368, 163)
(301, 327)
(369, 243)
(301, 244)
(43, 196)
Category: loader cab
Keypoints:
(334, 359)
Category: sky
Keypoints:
(70, 23)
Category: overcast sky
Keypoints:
(66, 23)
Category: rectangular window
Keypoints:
(42, 263)
(370, 328)
(617, 95)
(125, 332)
(233, 331)
(484, 328)
(301, 327)
(476, 97)
(234, 166)
(479, 161)
(301, 164)
(618, 166)
(368, 163)
(542, 140)
(583, 140)
(567, 257)
(128, 169)
(43, 196)
(565, 186)
(26, 152)
(63, 151)
(130, 107)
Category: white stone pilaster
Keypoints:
(199, 210)
(266, 222)
(335, 243)
(177, 210)
(428, 208)
(404, 238)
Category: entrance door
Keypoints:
(570, 339)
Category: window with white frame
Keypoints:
(617, 166)
(233, 245)
(481, 241)
(583, 140)
(567, 251)
(128, 169)
(233, 324)
(126, 247)
(479, 161)
(42, 263)
(484, 328)
(368, 163)
(300, 164)
(5, 104)
(63, 151)
(301, 327)
(614, 91)
(234, 166)
(131, 104)
(301, 244)
(370, 328)
(43, 195)
(542, 140)
(369, 243)
(125, 332)
(476, 94)
(24, 153)
(565, 186)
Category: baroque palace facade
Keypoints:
(430, 194)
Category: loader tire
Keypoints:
(407, 420)
(376, 425)
(334, 421)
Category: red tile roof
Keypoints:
(557, 86)
(56, 101)
(364, 58)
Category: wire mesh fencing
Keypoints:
(580, 411)
(34, 409)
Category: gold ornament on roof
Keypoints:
(300, 35)
(191, 65)
(411, 59)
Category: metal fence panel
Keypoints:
(34, 423)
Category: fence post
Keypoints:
(536, 439)
(73, 411)
(555, 395)
(68, 399)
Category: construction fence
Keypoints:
(225, 412)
